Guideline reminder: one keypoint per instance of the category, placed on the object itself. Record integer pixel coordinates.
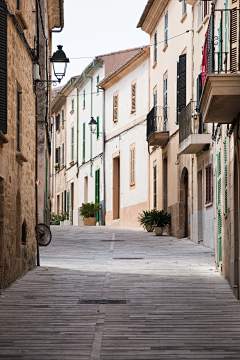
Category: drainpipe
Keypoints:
(96, 66)
(91, 162)
(77, 121)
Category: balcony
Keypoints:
(221, 93)
(157, 134)
(192, 138)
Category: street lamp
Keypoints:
(59, 61)
(93, 124)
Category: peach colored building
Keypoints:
(126, 150)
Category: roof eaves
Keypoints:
(145, 13)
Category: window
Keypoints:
(133, 95)
(18, 117)
(58, 156)
(72, 143)
(166, 28)
(18, 4)
(58, 122)
(24, 233)
(199, 14)
(155, 186)
(84, 94)
(97, 83)
(181, 84)
(72, 104)
(63, 154)
(62, 117)
(165, 102)
(205, 9)
(184, 7)
(209, 184)
(115, 108)
(3, 68)
(84, 135)
(155, 47)
(132, 167)
(225, 175)
(155, 98)
(65, 201)
(97, 127)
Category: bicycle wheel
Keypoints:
(44, 235)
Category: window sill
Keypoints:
(3, 139)
(165, 47)
(71, 163)
(21, 158)
(205, 19)
(209, 204)
(199, 28)
(83, 108)
(183, 18)
(62, 127)
(132, 186)
(154, 65)
(72, 112)
(21, 19)
(58, 131)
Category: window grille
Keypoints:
(209, 184)
(115, 108)
(133, 107)
(132, 167)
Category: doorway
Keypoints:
(200, 206)
(165, 197)
(97, 190)
(85, 189)
(183, 210)
(116, 188)
(72, 202)
(236, 229)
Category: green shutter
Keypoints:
(226, 16)
(97, 83)
(225, 170)
(219, 215)
(3, 67)
(68, 196)
(220, 46)
(84, 142)
(84, 98)
(72, 144)
(97, 190)
(72, 104)
(97, 127)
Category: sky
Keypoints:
(93, 27)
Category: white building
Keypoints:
(126, 99)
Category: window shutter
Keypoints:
(97, 83)
(18, 4)
(166, 28)
(84, 142)
(115, 108)
(18, 118)
(133, 97)
(62, 117)
(97, 127)
(59, 156)
(165, 103)
(155, 47)
(72, 143)
(155, 186)
(181, 101)
(63, 154)
(84, 98)
(133, 166)
(68, 193)
(225, 169)
(3, 67)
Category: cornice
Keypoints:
(153, 16)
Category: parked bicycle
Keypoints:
(44, 235)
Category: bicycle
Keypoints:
(44, 235)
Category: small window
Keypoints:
(209, 184)
(72, 104)
(84, 94)
(132, 167)
(18, 4)
(97, 83)
(115, 108)
(18, 117)
(63, 117)
(166, 28)
(155, 47)
(184, 7)
(199, 14)
(72, 143)
(133, 107)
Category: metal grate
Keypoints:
(102, 301)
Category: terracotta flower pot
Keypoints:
(91, 221)
(158, 231)
(149, 228)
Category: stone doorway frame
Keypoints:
(183, 206)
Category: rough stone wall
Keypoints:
(17, 177)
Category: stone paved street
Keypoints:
(173, 303)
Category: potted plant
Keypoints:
(67, 220)
(55, 220)
(56, 167)
(145, 219)
(160, 219)
(87, 211)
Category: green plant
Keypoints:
(56, 167)
(55, 220)
(89, 209)
(145, 219)
(161, 218)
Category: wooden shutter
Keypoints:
(165, 100)
(84, 142)
(63, 154)
(181, 102)
(3, 67)
(63, 117)
(208, 184)
(133, 98)
(72, 143)
(234, 30)
(155, 47)
(219, 215)
(115, 108)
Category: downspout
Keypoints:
(96, 66)
(77, 121)
(61, 17)
(91, 162)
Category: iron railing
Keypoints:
(223, 41)
(156, 120)
(190, 121)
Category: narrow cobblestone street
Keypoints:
(173, 304)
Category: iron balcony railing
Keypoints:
(223, 41)
(157, 120)
(190, 121)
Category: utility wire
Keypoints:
(130, 50)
